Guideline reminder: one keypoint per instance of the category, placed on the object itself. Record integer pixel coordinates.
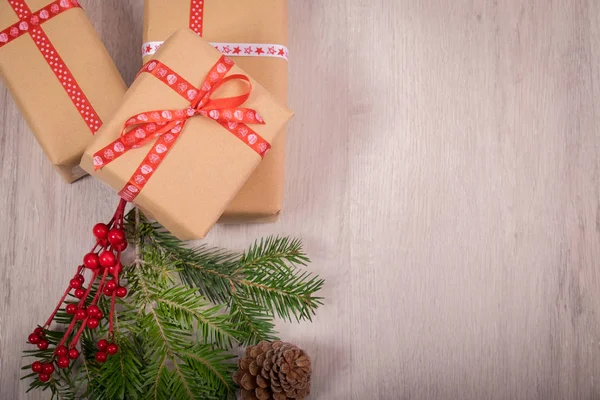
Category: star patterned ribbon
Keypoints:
(31, 23)
(233, 49)
(167, 125)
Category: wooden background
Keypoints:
(443, 172)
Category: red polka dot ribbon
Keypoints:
(167, 125)
(196, 17)
(30, 23)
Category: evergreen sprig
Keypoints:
(186, 309)
(264, 279)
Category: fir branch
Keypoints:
(169, 324)
(61, 388)
(266, 273)
(185, 306)
(121, 376)
(173, 347)
(159, 378)
(273, 280)
(207, 269)
(215, 365)
(216, 282)
(62, 392)
(252, 321)
(274, 250)
(170, 338)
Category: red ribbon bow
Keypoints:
(168, 124)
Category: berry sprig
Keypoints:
(103, 262)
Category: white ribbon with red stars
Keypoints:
(233, 49)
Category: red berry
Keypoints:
(102, 343)
(99, 315)
(73, 354)
(103, 243)
(80, 277)
(101, 356)
(107, 291)
(43, 344)
(115, 269)
(48, 369)
(44, 377)
(111, 285)
(90, 260)
(63, 362)
(112, 349)
(71, 308)
(93, 311)
(37, 367)
(121, 246)
(61, 351)
(79, 293)
(80, 313)
(107, 259)
(34, 338)
(75, 283)
(39, 331)
(116, 236)
(121, 291)
(100, 230)
(92, 323)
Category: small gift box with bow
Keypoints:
(60, 75)
(188, 134)
(254, 34)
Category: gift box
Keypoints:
(188, 134)
(60, 75)
(254, 34)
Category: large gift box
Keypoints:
(254, 34)
(188, 134)
(60, 75)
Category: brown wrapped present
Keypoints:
(254, 33)
(210, 135)
(59, 74)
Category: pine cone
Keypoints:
(274, 371)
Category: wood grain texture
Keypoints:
(443, 171)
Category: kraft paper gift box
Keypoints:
(254, 33)
(209, 160)
(60, 75)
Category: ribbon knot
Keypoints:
(145, 127)
(166, 125)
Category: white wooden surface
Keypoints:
(443, 171)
